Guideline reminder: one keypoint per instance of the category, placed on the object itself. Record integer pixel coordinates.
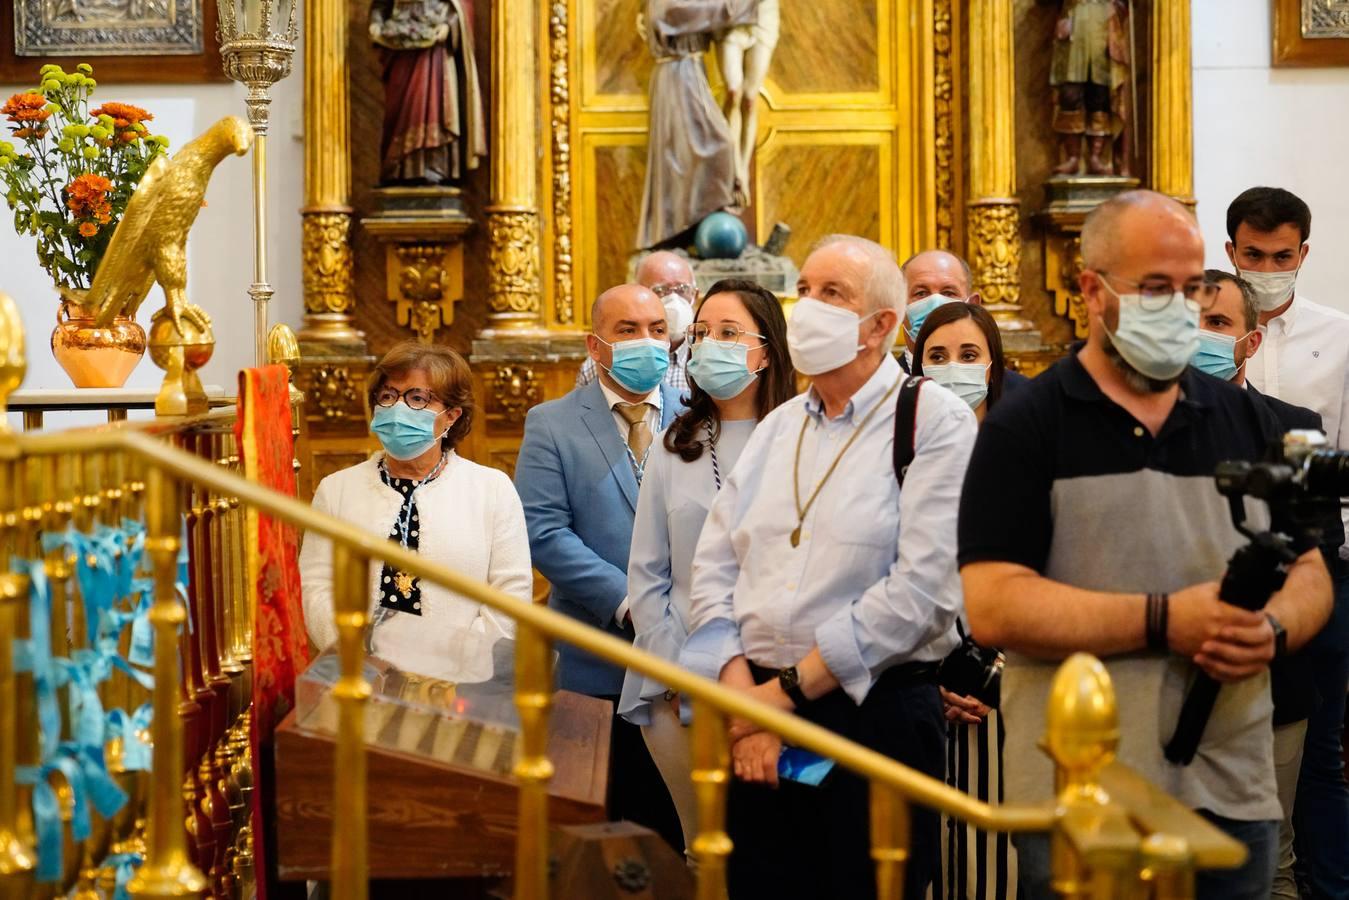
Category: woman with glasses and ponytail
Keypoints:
(738, 371)
(426, 498)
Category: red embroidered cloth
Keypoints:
(280, 646)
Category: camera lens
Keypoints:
(1328, 474)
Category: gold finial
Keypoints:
(282, 347)
(13, 363)
(1081, 720)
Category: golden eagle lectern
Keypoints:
(150, 244)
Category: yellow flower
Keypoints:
(66, 145)
(85, 68)
(90, 153)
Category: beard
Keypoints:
(1136, 380)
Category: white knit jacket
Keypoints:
(471, 521)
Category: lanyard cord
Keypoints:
(712, 451)
(801, 510)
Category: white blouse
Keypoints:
(471, 521)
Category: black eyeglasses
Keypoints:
(415, 398)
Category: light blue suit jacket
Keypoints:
(579, 493)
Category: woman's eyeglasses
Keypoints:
(722, 332)
(415, 398)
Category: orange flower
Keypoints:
(87, 197)
(124, 115)
(88, 229)
(29, 111)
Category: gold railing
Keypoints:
(1110, 829)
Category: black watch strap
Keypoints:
(790, 680)
(1280, 637)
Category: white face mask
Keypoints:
(678, 315)
(821, 337)
(1272, 289)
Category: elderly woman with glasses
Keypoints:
(427, 498)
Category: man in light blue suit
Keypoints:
(578, 473)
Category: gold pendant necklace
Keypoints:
(801, 511)
(402, 582)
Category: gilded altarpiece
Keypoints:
(848, 139)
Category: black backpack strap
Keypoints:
(906, 424)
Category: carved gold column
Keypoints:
(515, 289)
(993, 225)
(1172, 126)
(334, 358)
(328, 297)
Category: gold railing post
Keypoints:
(890, 836)
(348, 871)
(711, 780)
(16, 857)
(1169, 867)
(533, 771)
(167, 871)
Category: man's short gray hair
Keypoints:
(1250, 310)
(885, 284)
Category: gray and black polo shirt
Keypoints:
(1066, 482)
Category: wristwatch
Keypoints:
(790, 681)
(1280, 637)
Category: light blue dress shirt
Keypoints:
(869, 592)
(671, 509)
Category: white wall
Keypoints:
(220, 257)
(1256, 125)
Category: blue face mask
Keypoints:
(968, 381)
(639, 365)
(721, 369)
(1217, 355)
(1158, 342)
(406, 433)
(917, 312)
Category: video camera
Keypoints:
(1302, 482)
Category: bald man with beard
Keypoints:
(1121, 539)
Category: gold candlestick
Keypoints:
(257, 42)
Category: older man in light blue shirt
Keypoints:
(805, 596)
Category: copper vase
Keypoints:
(93, 356)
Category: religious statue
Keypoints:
(690, 162)
(433, 120)
(1093, 76)
(743, 55)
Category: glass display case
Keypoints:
(467, 719)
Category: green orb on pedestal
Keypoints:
(720, 236)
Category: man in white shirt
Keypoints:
(1304, 360)
(805, 597)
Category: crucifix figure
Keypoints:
(743, 55)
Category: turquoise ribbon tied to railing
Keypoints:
(130, 727)
(125, 865)
(88, 783)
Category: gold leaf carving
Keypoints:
(514, 262)
(336, 391)
(515, 389)
(560, 102)
(327, 263)
(995, 244)
(944, 89)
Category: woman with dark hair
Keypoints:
(739, 371)
(427, 498)
(959, 348)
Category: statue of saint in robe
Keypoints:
(1092, 74)
(433, 121)
(743, 55)
(690, 161)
